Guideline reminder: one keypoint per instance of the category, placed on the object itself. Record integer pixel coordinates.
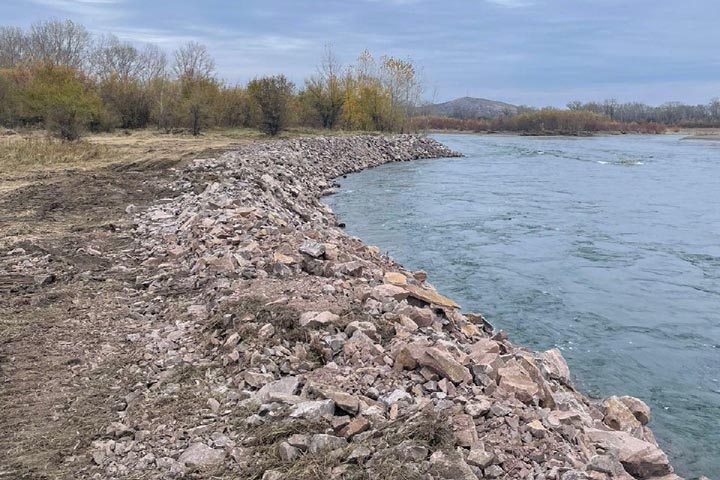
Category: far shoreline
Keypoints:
(709, 134)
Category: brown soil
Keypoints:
(64, 320)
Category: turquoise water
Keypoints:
(606, 247)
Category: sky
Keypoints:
(531, 52)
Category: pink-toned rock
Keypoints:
(640, 458)
(395, 278)
(356, 425)
(516, 380)
(482, 347)
(557, 418)
(284, 259)
(619, 417)
(423, 317)
(463, 427)
(430, 297)
(318, 319)
(386, 291)
(407, 323)
(639, 409)
(442, 362)
(470, 330)
(407, 355)
(555, 366)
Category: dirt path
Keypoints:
(65, 290)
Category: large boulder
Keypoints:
(640, 458)
(443, 363)
(619, 417)
(423, 317)
(408, 355)
(638, 408)
(386, 292)
(430, 297)
(554, 366)
(516, 380)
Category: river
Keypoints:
(605, 247)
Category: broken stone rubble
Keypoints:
(312, 345)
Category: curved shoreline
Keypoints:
(319, 354)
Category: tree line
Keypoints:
(669, 114)
(546, 121)
(58, 76)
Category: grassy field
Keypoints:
(35, 151)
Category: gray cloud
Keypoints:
(523, 51)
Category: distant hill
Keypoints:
(470, 107)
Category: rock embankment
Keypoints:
(282, 348)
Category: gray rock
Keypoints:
(408, 451)
(480, 458)
(324, 443)
(359, 454)
(365, 327)
(314, 409)
(312, 249)
(605, 464)
(273, 475)
(299, 441)
(287, 452)
(396, 396)
(286, 385)
(450, 467)
(200, 455)
(494, 471)
(478, 407)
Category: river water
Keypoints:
(605, 247)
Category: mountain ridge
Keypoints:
(471, 107)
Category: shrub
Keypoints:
(63, 99)
(271, 99)
(198, 98)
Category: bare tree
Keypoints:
(402, 81)
(13, 46)
(324, 91)
(193, 61)
(154, 63)
(113, 58)
(59, 43)
(610, 108)
(714, 109)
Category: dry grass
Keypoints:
(428, 427)
(41, 152)
(34, 151)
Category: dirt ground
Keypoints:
(64, 285)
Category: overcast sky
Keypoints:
(535, 52)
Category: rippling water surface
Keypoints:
(606, 247)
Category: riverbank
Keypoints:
(244, 334)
